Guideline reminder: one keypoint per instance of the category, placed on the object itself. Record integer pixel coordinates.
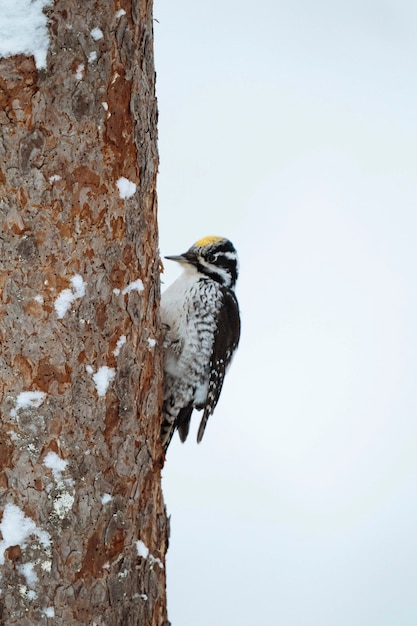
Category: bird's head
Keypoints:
(214, 257)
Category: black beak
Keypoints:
(179, 258)
(187, 257)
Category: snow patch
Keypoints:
(154, 559)
(54, 178)
(102, 379)
(137, 285)
(39, 299)
(29, 594)
(119, 13)
(28, 400)
(151, 342)
(92, 56)
(63, 302)
(96, 34)
(120, 342)
(79, 72)
(23, 29)
(105, 106)
(53, 462)
(78, 285)
(68, 296)
(27, 570)
(105, 498)
(143, 550)
(16, 528)
(126, 187)
(49, 611)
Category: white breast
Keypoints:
(188, 311)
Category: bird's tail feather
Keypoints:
(183, 421)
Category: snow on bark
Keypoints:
(23, 29)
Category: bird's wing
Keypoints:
(226, 341)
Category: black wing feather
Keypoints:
(225, 343)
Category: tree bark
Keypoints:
(84, 528)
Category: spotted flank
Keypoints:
(208, 241)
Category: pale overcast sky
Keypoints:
(291, 128)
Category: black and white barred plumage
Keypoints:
(200, 315)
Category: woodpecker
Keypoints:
(201, 321)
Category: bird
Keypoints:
(201, 324)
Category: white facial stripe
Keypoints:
(217, 270)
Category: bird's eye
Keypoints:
(212, 258)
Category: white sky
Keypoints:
(291, 128)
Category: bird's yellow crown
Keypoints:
(208, 241)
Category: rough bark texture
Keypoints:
(62, 152)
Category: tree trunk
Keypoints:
(83, 525)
